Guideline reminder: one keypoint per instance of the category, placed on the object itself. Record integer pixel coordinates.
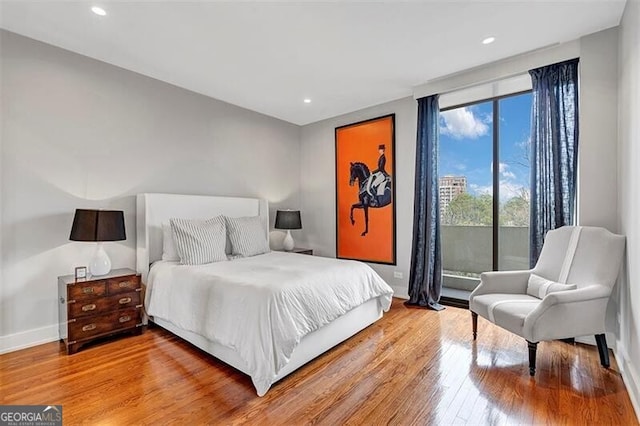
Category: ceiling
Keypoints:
(269, 56)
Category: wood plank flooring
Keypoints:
(413, 367)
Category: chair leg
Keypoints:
(603, 350)
(532, 357)
(474, 322)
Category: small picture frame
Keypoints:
(81, 272)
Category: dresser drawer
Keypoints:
(123, 284)
(85, 327)
(87, 290)
(100, 305)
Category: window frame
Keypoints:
(495, 224)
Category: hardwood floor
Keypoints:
(412, 367)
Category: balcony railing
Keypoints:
(467, 252)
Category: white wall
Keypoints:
(318, 180)
(597, 152)
(598, 183)
(2, 136)
(628, 345)
(79, 133)
(598, 147)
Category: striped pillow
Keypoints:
(247, 236)
(539, 287)
(199, 241)
(169, 251)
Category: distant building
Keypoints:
(450, 186)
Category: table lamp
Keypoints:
(288, 219)
(98, 226)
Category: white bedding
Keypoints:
(263, 305)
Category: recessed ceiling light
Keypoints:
(307, 101)
(488, 40)
(98, 11)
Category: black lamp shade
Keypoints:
(288, 219)
(98, 225)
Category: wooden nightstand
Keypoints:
(98, 306)
(301, 250)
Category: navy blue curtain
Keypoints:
(425, 278)
(554, 150)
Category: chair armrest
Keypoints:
(584, 294)
(568, 313)
(512, 282)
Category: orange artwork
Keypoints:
(365, 191)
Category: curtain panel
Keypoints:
(554, 150)
(425, 278)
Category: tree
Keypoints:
(470, 210)
(466, 209)
(515, 212)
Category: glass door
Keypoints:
(466, 197)
(484, 209)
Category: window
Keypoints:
(484, 189)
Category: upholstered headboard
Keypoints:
(155, 209)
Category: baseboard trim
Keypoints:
(631, 380)
(456, 303)
(587, 340)
(400, 292)
(29, 338)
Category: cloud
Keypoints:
(508, 189)
(460, 166)
(480, 189)
(525, 143)
(462, 123)
(504, 171)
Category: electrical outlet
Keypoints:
(397, 274)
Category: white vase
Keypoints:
(100, 264)
(288, 243)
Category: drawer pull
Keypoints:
(87, 290)
(87, 308)
(124, 284)
(89, 327)
(124, 300)
(124, 318)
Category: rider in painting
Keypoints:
(378, 176)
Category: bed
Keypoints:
(287, 305)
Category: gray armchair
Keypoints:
(564, 296)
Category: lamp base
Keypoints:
(100, 264)
(288, 243)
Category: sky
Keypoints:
(466, 138)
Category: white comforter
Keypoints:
(263, 305)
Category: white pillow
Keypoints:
(199, 241)
(539, 287)
(169, 251)
(247, 236)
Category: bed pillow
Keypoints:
(169, 251)
(539, 287)
(247, 236)
(199, 241)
